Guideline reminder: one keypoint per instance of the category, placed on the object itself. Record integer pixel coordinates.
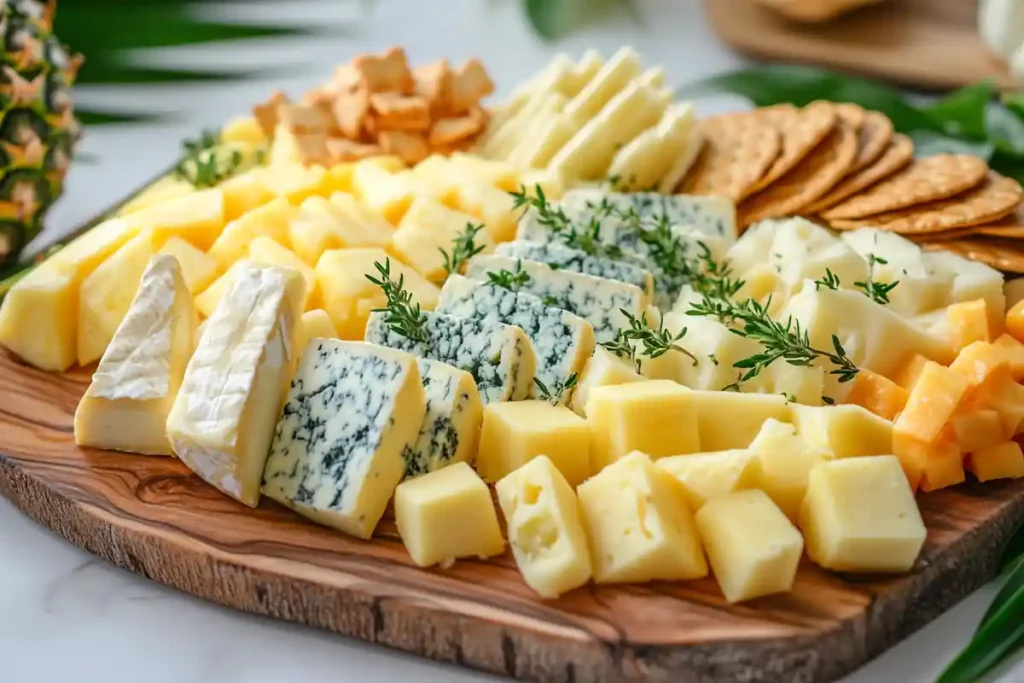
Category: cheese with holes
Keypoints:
(351, 412)
(451, 425)
(222, 421)
(515, 433)
(705, 476)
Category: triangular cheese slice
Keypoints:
(134, 387)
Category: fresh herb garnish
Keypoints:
(202, 166)
(876, 291)
(401, 315)
(654, 343)
(828, 400)
(586, 238)
(510, 280)
(829, 281)
(554, 394)
(463, 248)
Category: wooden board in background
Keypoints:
(152, 516)
(929, 44)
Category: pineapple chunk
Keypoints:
(265, 250)
(549, 181)
(270, 220)
(385, 193)
(316, 324)
(244, 129)
(348, 297)
(197, 218)
(497, 173)
(312, 235)
(168, 187)
(197, 269)
(84, 254)
(38, 318)
(207, 301)
(294, 182)
(107, 294)
(427, 227)
(355, 224)
(284, 150)
(494, 208)
(338, 178)
(244, 192)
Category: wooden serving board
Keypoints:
(152, 516)
(930, 44)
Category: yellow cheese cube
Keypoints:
(262, 249)
(977, 429)
(728, 420)
(603, 368)
(548, 180)
(515, 433)
(859, 515)
(638, 526)
(1013, 350)
(243, 129)
(84, 254)
(970, 321)
(39, 318)
(544, 528)
(930, 465)
(979, 361)
(843, 431)
(910, 371)
(427, 228)
(1002, 461)
(492, 206)
(270, 220)
(198, 269)
(244, 192)
(752, 547)
(348, 297)
(446, 515)
(705, 476)
(294, 182)
(931, 402)
(880, 395)
(106, 295)
(1007, 397)
(388, 194)
(197, 217)
(317, 324)
(781, 465)
(656, 417)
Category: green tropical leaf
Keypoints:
(552, 19)
(88, 117)
(962, 113)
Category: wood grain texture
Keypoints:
(930, 44)
(152, 516)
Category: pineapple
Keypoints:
(38, 129)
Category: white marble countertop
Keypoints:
(68, 616)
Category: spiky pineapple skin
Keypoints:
(38, 128)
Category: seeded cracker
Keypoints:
(1001, 254)
(998, 196)
(801, 131)
(738, 150)
(925, 180)
(899, 154)
(815, 175)
(873, 139)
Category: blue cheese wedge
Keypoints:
(561, 257)
(499, 357)
(222, 420)
(562, 341)
(597, 300)
(352, 411)
(451, 425)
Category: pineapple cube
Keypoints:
(727, 419)
(316, 324)
(388, 194)
(930, 465)
(294, 182)
(284, 149)
(971, 321)
(447, 514)
(262, 249)
(1013, 351)
(911, 370)
(844, 431)
(705, 476)
(492, 206)
(197, 218)
(638, 526)
(244, 192)
(977, 429)
(312, 235)
(859, 515)
(603, 368)
(427, 228)
(656, 417)
(355, 224)
(753, 549)
(781, 465)
(84, 254)
(1015, 321)
(548, 180)
(106, 295)
(197, 269)
(544, 528)
(338, 178)
(348, 297)
(168, 187)
(1002, 461)
(271, 220)
(498, 174)
(243, 129)
(515, 433)
(38, 318)
(880, 395)
(392, 163)
(931, 402)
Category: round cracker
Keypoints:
(925, 180)
(815, 175)
(895, 158)
(1004, 255)
(997, 197)
(801, 131)
(738, 149)
(853, 114)
(1010, 226)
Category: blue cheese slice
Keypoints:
(562, 341)
(337, 455)
(499, 357)
(451, 425)
(599, 301)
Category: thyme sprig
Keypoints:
(509, 279)
(202, 166)
(463, 248)
(554, 394)
(876, 291)
(586, 237)
(401, 315)
(829, 280)
(653, 342)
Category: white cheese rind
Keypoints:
(451, 424)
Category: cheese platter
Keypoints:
(574, 386)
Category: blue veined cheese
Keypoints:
(597, 300)
(562, 341)
(352, 410)
(499, 357)
(561, 257)
(451, 425)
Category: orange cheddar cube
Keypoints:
(1015, 321)
(907, 376)
(977, 429)
(930, 466)
(1002, 461)
(978, 361)
(971, 321)
(878, 394)
(1007, 397)
(931, 402)
(1014, 351)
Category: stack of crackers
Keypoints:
(844, 167)
(377, 104)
